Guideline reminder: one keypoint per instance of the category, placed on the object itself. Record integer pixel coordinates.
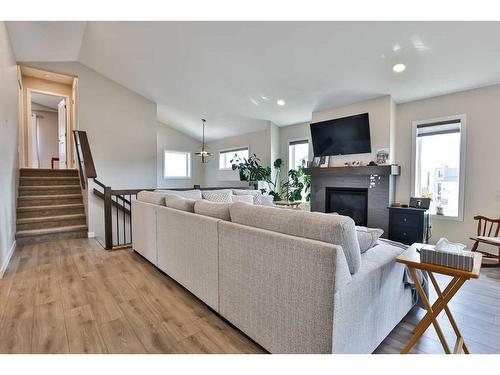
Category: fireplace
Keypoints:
(352, 202)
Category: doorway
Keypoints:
(47, 130)
(48, 102)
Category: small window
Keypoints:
(439, 164)
(177, 164)
(298, 153)
(226, 156)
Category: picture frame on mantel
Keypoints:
(316, 161)
(324, 162)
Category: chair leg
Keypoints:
(474, 247)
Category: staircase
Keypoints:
(49, 206)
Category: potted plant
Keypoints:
(249, 169)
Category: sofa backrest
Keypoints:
(151, 197)
(189, 194)
(334, 229)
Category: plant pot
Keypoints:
(242, 176)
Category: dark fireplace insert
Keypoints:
(352, 202)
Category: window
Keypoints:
(226, 156)
(298, 151)
(439, 164)
(177, 164)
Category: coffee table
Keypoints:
(411, 258)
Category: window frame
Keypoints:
(189, 165)
(297, 141)
(229, 150)
(462, 118)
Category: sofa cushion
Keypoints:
(179, 203)
(218, 210)
(190, 194)
(221, 196)
(151, 197)
(334, 229)
(266, 200)
(367, 237)
(243, 198)
(256, 194)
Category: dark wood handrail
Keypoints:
(85, 161)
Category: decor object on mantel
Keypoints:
(204, 154)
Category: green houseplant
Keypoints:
(289, 188)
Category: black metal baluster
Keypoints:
(124, 221)
(117, 222)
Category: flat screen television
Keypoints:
(342, 136)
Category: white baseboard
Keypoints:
(7, 260)
(91, 234)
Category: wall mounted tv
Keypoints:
(342, 136)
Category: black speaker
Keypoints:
(422, 203)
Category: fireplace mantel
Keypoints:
(379, 182)
(365, 170)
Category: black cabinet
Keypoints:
(408, 225)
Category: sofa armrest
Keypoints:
(279, 289)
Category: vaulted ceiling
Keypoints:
(232, 73)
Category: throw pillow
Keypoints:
(243, 198)
(179, 203)
(221, 196)
(214, 209)
(266, 200)
(367, 237)
(256, 194)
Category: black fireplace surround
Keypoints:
(352, 202)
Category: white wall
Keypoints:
(259, 143)
(173, 140)
(121, 127)
(8, 148)
(293, 133)
(482, 182)
(48, 146)
(380, 115)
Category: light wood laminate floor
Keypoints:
(71, 296)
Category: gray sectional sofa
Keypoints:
(293, 281)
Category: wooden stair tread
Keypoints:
(51, 207)
(49, 187)
(40, 219)
(38, 232)
(76, 178)
(48, 197)
(71, 170)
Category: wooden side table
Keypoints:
(411, 258)
(293, 204)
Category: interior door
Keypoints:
(33, 142)
(61, 118)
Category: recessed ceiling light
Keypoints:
(280, 102)
(398, 68)
(264, 97)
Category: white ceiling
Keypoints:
(50, 101)
(224, 71)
